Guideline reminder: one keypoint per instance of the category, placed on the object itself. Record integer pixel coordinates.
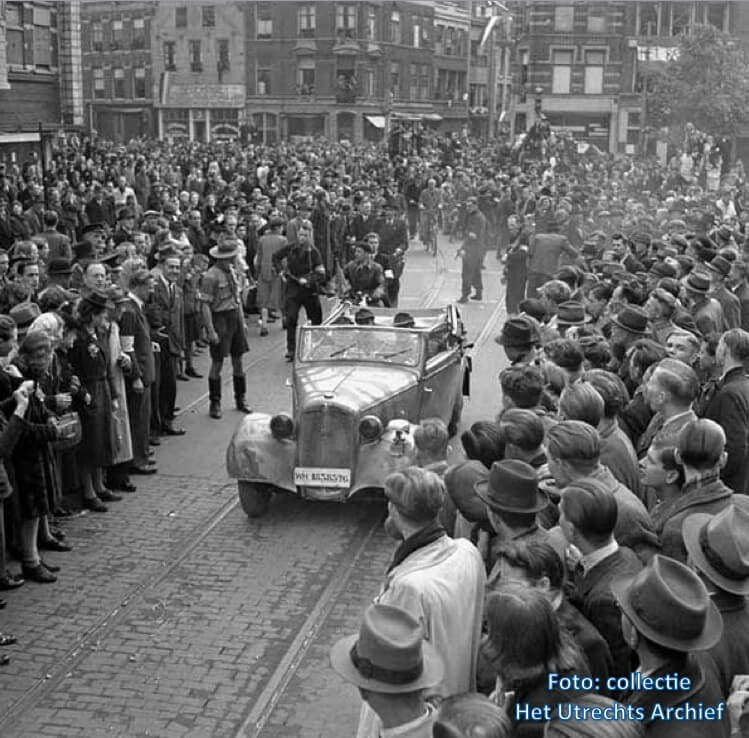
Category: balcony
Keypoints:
(345, 96)
(345, 42)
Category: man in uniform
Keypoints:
(393, 234)
(304, 274)
(472, 251)
(224, 321)
(365, 275)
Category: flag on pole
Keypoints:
(497, 8)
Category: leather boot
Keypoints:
(240, 391)
(214, 396)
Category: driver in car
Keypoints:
(365, 275)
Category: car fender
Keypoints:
(385, 456)
(255, 455)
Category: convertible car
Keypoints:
(358, 393)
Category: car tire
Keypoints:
(455, 416)
(255, 498)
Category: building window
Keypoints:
(597, 19)
(372, 23)
(424, 82)
(139, 86)
(561, 71)
(118, 35)
(594, 61)
(209, 16)
(180, 17)
(717, 15)
(345, 20)
(264, 20)
(416, 33)
(563, 17)
(263, 81)
(370, 83)
(478, 96)
(395, 79)
(305, 76)
(169, 54)
(99, 89)
(119, 83)
(648, 19)
(196, 61)
(222, 54)
(395, 27)
(306, 21)
(139, 33)
(97, 37)
(479, 60)
(681, 17)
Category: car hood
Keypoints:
(355, 386)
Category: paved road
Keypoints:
(177, 616)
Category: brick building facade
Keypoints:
(117, 68)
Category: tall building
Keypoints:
(39, 74)
(117, 67)
(199, 69)
(337, 69)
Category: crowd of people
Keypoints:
(597, 527)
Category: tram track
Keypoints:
(117, 613)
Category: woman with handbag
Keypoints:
(89, 359)
(33, 458)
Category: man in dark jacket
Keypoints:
(472, 251)
(668, 618)
(135, 336)
(718, 547)
(544, 254)
(729, 407)
(393, 234)
(587, 518)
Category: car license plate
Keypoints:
(308, 476)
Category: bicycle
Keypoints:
(429, 231)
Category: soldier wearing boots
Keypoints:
(222, 315)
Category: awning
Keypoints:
(378, 121)
(435, 117)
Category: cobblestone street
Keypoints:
(176, 616)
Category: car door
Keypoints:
(441, 378)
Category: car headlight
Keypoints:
(282, 426)
(370, 428)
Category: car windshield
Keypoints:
(388, 345)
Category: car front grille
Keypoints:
(326, 438)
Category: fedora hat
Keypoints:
(572, 312)
(59, 267)
(517, 332)
(632, 319)
(719, 546)
(227, 249)
(512, 486)
(83, 251)
(698, 282)
(720, 265)
(389, 654)
(669, 604)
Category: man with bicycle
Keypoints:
(430, 202)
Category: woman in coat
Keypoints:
(33, 458)
(122, 451)
(89, 360)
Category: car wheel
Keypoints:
(452, 426)
(255, 498)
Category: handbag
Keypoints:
(69, 431)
